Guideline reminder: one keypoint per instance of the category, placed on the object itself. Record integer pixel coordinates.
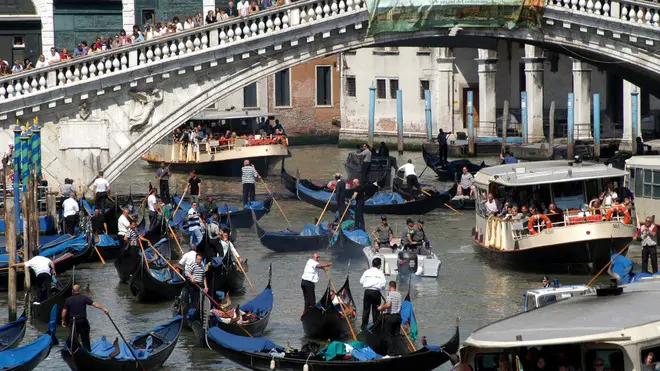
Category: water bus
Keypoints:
(643, 179)
(575, 238)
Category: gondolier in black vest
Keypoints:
(373, 281)
(310, 277)
(442, 146)
(249, 177)
(74, 315)
(340, 190)
(358, 194)
(196, 280)
(163, 174)
(392, 321)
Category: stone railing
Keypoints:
(634, 12)
(216, 35)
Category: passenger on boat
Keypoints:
(98, 223)
(514, 214)
(609, 196)
(310, 277)
(196, 280)
(594, 206)
(338, 302)
(409, 233)
(411, 178)
(382, 234)
(194, 225)
(228, 246)
(383, 150)
(458, 364)
(423, 244)
(504, 365)
(392, 320)
(211, 205)
(373, 281)
(44, 270)
(507, 158)
(467, 184)
(554, 213)
(545, 282)
(627, 202)
(333, 183)
(70, 212)
(649, 362)
(74, 315)
(358, 195)
(492, 205)
(648, 232)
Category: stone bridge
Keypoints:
(101, 112)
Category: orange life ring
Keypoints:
(534, 218)
(619, 209)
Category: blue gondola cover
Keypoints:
(241, 343)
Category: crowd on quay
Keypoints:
(146, 32)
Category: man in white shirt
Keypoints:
(101, 189)
(42, 268)
(154, 209)
(228, 246)
(310, 277)
(188, 258)
(122, 227)
(410, 177)
(373, 281)
(70, 210)
(54, 56)
(243, 7)
(467, 180)
(194, 225)
(491, 205)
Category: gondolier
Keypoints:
(213, 235)
(163, 174)
(340, 190)
(392, 321)
(70, 211)
(228, 246)
(196, 280)
(123, 223)
(74, 315)
(411, 178)
(195, 185)
(249, 177)
(366, 162)
(310, 277)
(44, 270)
(382, 234)
(442, 146)
(154, 210)
(373, 281)
(648, 232)
(358, 195)
(98, 223)
(194, 225)
(101, 189)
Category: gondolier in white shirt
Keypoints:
(44, 270)
(373, 281)
(101, 189)
(410, 177)
(122, 227)
(310, 277)
(154, 209)
(70, 210)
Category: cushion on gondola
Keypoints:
(319, 195)
(310, 230)
(358, 236)
(11, 358)
(255, 205)
(261, 304)
(407, 314)
(224, 209)
(76, 244)
(106, 241)
(242, 343)
(382, 198)
(621, 268)
(102, 348)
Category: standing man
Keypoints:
(392, 321)
(213, 247)
(358, 195)
(382, 235)
(366, 162)
(211, 205)
(98, 223)
(467, 180)
(442, 146)
(195, 186)
(154, 210)
(373, 281)
(648, 232)
(310, 277)
(74, 314)
(411, 178)
(101, 189)
(249, 177)
(70, 212)
(66, 189)
(196, 280)
(163, 174)
(122, 227)
(340, 191)
(42, 268)
(228, 246)
(194, 225)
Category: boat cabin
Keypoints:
(643, 179)
(612, 329)
(525, 205)
(541, 297)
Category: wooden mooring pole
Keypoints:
(10, 239)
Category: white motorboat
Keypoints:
(540, 297)
(643, 179)
(394, 258)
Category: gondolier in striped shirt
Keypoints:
(196, 280)
(194, 225)
(249, 177)
(392, 321)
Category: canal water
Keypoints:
(469, 287)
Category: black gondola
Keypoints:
(440, 198)
(318, 238)
(110, 215)
(128, 260)
(27, 357)
(57, 296)
(163, 341)
(451, 170)
(254, 353)
(343, 247)
(290, 182)
(380, 170)
(326, 320)
(107, 246)
(12, 333)
(155, 281)
(223, 274)
(239, 218)
(374, 335)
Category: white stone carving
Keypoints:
(143, 104)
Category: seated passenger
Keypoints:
(424, 247)
(525, 211)
(333, 183)
(492, 205)
(554, 213)
(514, 214)
(595, 207)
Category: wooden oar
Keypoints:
(276, 203)
(420, 175)
(326, 205)
(609, 263)
(178, 205)
(175, 238)
(452, 209)
(144, 255)
(99, 254)
(127, 343)
(340, 220)
(341, 304)
(202, 291)
(238, 261)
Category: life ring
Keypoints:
(619, 209)
(534, 218)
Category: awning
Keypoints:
(214, 114)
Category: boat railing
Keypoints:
(190, 152)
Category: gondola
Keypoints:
(12, 333)
(239, 218)
(255, 354)
(57, 296)
(311, 238)
(380, 170)
(346, 244)
(289, 181)
(155, 281)
(223, 274)
(110, 215)
(374, 335)
(107, 246)
(325, 320)
(128, 260)
(29, 356)
(440, 198)
(162, 339)
(451, 170)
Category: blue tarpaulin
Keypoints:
(358, 236)
(106, 241)
(75, 244)
(103, 348)
(242, 343)
(364, 354)
(14, 357)
(407, 314)
(224, 209)
(254, 205)
(319, 195)
(640, 275)
(261, 304)
(621, 268)
(382, 198)
(310, 230)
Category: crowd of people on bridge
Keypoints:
(149, 31)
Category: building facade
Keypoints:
(20, 31)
